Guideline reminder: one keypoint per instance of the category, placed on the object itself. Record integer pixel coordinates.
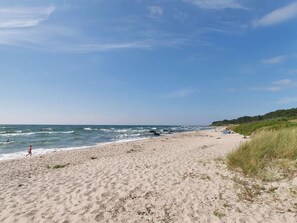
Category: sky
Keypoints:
(145, 61)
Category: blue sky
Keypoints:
(145, 61)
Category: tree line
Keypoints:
(282, 113)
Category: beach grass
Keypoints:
(269, 155)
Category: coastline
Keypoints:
(15, 139)
(174, 178)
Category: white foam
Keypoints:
(33, 133)
(18, 134)
(49, 129)
(128, 136)
(130, 140)
(122, 130)
(88, 129)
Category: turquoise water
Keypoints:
(15, 139)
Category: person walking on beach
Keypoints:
(29, 151)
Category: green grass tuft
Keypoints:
(270, 155)
(58, 166)
(219, 214)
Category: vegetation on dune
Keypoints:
(284, 113)
(253, 127)
(269, 155)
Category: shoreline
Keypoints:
(44, 151)
(78, 137)
(174, 178)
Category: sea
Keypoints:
(15, 139)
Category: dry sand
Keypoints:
(177, 178)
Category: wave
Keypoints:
(58, 132)
(18, 134)
(128, 136)
(130, 140)
(106, 130)
(49, 129)
(33, 133)
(88, 129)
(4, 143)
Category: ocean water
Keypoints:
(15, 139)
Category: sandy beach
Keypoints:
(176, 178)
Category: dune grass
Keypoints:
(269, 155)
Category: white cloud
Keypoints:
(23, 17)
(40, 37)
(285, 82)
(181, 93)
(270, 88)
(85, 48)
(216, 4)
(275, 60)
(155, 11)
(278, 16)
(287, 100)
(277, 85)
(24, 27)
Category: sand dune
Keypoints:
(177, 178)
